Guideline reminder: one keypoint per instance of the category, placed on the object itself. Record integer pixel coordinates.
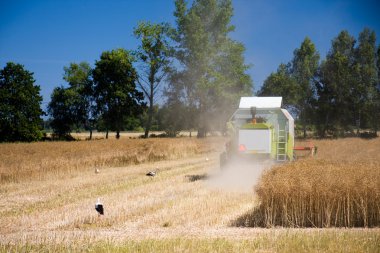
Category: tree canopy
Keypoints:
(211, 74)
(73, 107)
(65, 108)
(198, 73)
(153, 53)
(115, 89)
(281, 83)
(20, 107)
(340, 93)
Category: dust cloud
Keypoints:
(239, 174)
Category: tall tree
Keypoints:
(304, 67)
(66, 110)
(79, 77)
(115, 89)
(20, 106)
(211, 74)
(281, 83)
(333, 86)
(153, 53)
(378, 65)
(73, 107)
(377, 108)
(231, 81)
(365, 90)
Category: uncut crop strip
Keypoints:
(339, 187)
(316, 193)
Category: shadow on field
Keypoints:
(193, 178)
(252, 218)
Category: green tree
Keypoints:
(210, 71)
(173, 115)
(73, 107)
(66, 110)
(378, 74)
(294, 82)
(304, 67)
(153, 53)
(281, 83)
(20, 107)
(115, 89)
(378, 65)
(333, 86)
(365, 92)
(231, 81)
(79, 77)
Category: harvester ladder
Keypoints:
(281, 144)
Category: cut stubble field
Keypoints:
(48, 192)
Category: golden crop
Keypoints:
(49, 189)
(20, 161)
(339, 187)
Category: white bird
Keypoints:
(97, 171)
(152, 173)
(207, 159)
(99, 207)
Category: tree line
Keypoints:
(197, 67)
(336, 96)
(199, 73)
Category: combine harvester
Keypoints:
(261, 130)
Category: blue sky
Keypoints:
(45, 35)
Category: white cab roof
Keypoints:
(260, 102)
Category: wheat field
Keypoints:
(340, 187)
(48, 192)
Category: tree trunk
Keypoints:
(323, 134)
(358, 125)
(90, 134)
(107, 133)
(118, 134)
(304, 130)
(304, 125)
(202, 123)
(150, 117)
(304, 117)
(201, 132)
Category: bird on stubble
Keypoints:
(99, 207)
(152, 173)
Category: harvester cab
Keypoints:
(260, 129)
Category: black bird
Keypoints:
(99, 207)
(152, 173)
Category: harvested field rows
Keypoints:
(174, 200)
(179, 210)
